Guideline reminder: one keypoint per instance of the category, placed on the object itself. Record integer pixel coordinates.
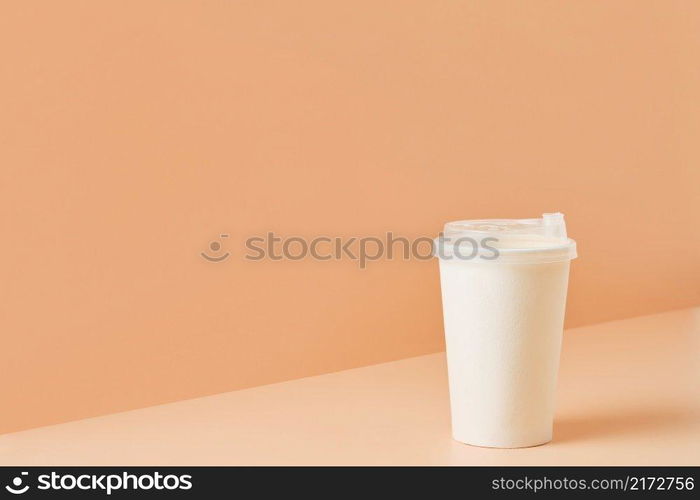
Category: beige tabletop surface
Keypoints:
(629, 393)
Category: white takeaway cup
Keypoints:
(504, 288)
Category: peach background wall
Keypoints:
(133, 133)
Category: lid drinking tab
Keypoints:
(554, 225)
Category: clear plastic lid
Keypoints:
(507, 240)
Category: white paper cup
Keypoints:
(504, 288)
